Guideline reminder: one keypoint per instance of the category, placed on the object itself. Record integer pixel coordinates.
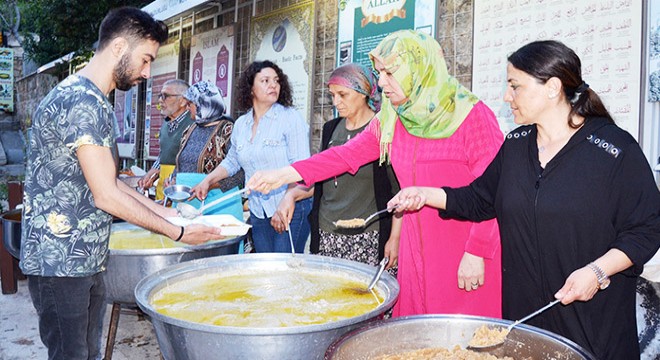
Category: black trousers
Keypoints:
(70, 313)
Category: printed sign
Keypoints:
(212, 60)
(7, 79)
(364, 23)
(286, 37)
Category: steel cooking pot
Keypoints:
(125, 268)
(405, 334)
(11, 232)
(180, 339)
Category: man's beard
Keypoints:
(123, 76)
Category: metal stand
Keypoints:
(112, 328)
(9, 270)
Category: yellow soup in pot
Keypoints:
(278, 298)
(140, 239)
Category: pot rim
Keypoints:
(177, 250)
(147, 285)
(338, 343)
(212, 244)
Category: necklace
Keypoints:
(541, 149)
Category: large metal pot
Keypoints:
(404, 334)
(11, 232)
(126, 268)
(179, 339)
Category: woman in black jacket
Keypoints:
(577, 205)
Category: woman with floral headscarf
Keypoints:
(205, 143)
(434, 131)
(355, 95)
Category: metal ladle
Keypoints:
(508, 328)
(288, 230)
(357, 222)
(190, 212)
(381, 268)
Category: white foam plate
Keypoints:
(138, 171)
(229, 225)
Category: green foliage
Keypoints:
(9, 16)
(4, 196)
(4, 190)
(64, 26)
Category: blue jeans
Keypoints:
(70, 313)
(266, 239)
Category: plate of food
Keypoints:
(229, 225)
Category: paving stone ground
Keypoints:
(19, 331)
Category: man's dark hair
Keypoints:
(133, 24)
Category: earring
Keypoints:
(552, 96)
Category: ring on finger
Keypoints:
(474, 286)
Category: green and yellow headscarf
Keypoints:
(437, 103)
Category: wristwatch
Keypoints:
(603, 279)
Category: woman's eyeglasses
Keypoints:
(164, 96)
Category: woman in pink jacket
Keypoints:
(437, 133)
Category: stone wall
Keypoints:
(455, 36)
(28, 92)
(325, 60)
(32, 89)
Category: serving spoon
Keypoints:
(503, 334)
(374, 280)
(358, 223)
(288, 230)
(190, 212)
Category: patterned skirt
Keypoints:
(361, 247)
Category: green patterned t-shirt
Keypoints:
(63, 233)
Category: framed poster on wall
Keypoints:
(607, 36)
(165, 67)
(286, 37)
(362, 24)
(212, 59)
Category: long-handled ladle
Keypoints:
(483, 344)
(374, 280)
(357, 222)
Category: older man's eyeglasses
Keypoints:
(164, 96)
